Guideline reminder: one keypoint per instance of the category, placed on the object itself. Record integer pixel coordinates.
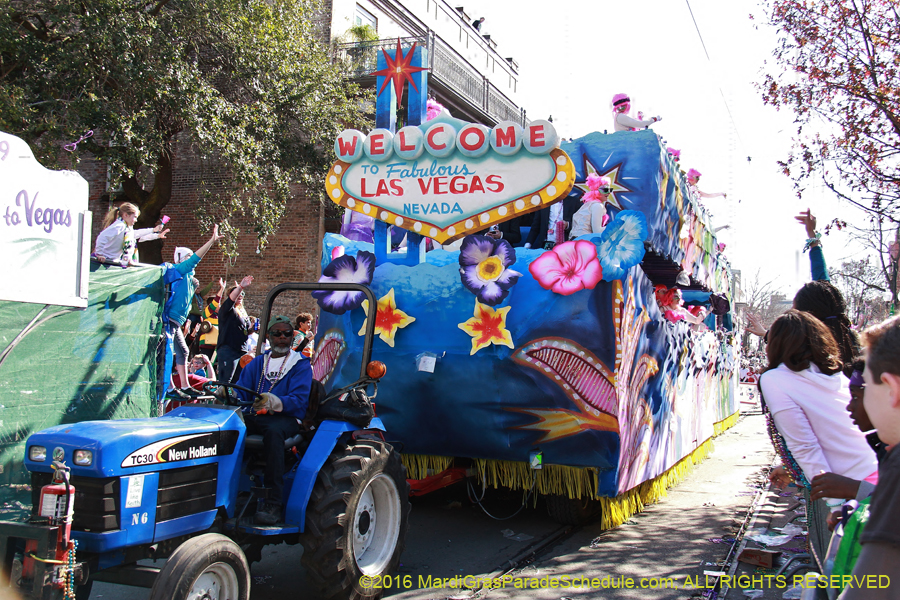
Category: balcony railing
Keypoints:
(447, 66)
(360, 58)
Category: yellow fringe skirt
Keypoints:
(574, 482)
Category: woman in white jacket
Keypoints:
(807, 396)
(118, 239)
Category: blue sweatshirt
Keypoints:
(293, 387)
(817, 268)
(179, 278)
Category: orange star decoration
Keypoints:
(388, 318)
(487, 327)
(398, 70)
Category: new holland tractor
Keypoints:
(107, 494)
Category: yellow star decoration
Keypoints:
(388, 318)
(487, 327)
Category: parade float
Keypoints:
(570, 371)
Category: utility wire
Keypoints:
(727, 108)
(733, 124)
(697, 27)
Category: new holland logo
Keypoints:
(185, 447)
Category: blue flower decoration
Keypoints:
(345, 269)
(483, 268)
(622, 244)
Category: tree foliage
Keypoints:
(862, 284)
(882, 238)
(837, 67)
(762, 298)
(247, 82)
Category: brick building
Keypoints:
(468, 76)
(293, 253)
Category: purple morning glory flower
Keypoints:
(345, 269)
(483, 268)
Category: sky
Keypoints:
(574, 55)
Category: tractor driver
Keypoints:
(283, 377)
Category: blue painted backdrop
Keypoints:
(596, 378)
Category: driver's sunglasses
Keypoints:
(276, 333)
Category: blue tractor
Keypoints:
(184, 486)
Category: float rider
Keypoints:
(283, 378)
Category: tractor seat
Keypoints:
(255, 442)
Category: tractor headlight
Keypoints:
(83, 458)
(37, 453)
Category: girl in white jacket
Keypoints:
(807, 396)
(118, 240)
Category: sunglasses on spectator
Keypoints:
(280, 333)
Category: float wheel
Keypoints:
(572, 511)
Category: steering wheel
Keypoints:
(229, 399)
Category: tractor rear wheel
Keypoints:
(356, 521)
(209, 566)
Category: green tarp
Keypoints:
(63, 365)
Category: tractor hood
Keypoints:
(186, 436)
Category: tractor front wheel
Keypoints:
(356, 521)
(209, 566)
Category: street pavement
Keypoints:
(670, 540)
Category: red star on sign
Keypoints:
(399, 70)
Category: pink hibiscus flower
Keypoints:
(568, 268)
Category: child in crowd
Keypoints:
(196, 315)
(880, 539)
(118, 239)
(249, 346)
(209, 328)
(202, 367)
(304, 339)
(832, 485)
(199, 371)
